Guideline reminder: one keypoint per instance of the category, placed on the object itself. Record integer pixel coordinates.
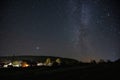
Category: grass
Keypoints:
(76, 72)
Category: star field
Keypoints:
(79, 29)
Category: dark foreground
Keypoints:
(78, 72)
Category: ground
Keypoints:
(75, 72)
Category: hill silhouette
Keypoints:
(67, 61)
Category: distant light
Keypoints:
(108, 14)
(37, 48)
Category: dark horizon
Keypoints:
(78, 29)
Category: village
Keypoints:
(27, 63)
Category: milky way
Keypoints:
(79, 29)
(87, 38)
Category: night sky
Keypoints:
(78, 29)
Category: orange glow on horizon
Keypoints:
(25, 64)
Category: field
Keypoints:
(76, 72)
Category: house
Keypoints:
(40, 64)
(6, 63)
